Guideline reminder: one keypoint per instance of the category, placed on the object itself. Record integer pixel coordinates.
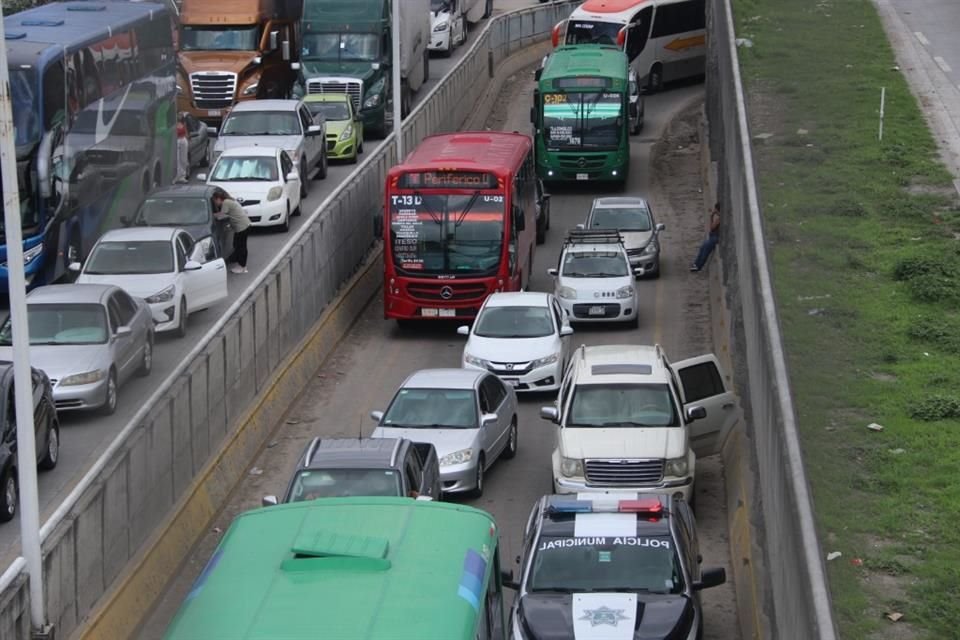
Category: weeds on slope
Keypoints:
(864, 243)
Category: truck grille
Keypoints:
(213, 89)
(623, 472)
(353, 88)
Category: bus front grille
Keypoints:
(213, 89)
(447, 292)
(583, 163)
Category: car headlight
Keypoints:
(165, 295)
(441, 26)
(251, 90)
(457, 457)
(568, 293)
(88, 377)
(478, 362)
(542, 362)
(650, 248)
(274, 193)
(625, 292)
(347, 133)
(374, 94)
(571, 467)
(676, 467)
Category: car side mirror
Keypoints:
(123, 331)
(257, 60)
(293, 175)
(74, 266)
(212, 131)
(192, 265)
(552, 272)
(550, 413)
(711, 578)
(376, 416)
(639, 271)
(463, 330)
(202, 177)
(696, 413)
(506, 579)
(566, 330)
(487, 418)
(314, 130)
(660, 226)
(269, 501)
(581, 226)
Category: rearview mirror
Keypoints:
(550, 413)
(696, 413)
(566, 330)
(464, 330)
(711, 578)
(552, 272)
(74, 266)
(376, 416)
(487, 418)
(269, 501)
(192, 265)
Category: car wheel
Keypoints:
(304, 179)
(360, 144)
(655, 81)
(542, 230)
(323, 164)
(446, 53)
(181, 329)
(285, 225)
(8, 497)
(511, 449)
(146, 364)
(478, 480)
(463, 33)
(356, 155)
(50, 458)
(634, 322)
(110, 402)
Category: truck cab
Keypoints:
(235, 50)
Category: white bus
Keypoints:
(665, 39)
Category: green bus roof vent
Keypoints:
(325, 550)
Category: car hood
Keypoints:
(230, 61)
(445, 440)
(606, 616)
(599, 289)
(512, 349)
(437, 16)
(59, 361)
(246, 191)
(233, 142)
(359, 70)
(140, 285)
(336, 127)
(636, 239)
(623, 442)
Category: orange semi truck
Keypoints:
(231, 50)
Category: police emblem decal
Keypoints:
(603, 615)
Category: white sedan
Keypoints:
(263, 180)
(522, 338)
(162, 265)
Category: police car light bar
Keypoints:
(649, 506)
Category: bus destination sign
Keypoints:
(582, 82)
(448, 180)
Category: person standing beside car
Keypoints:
(183, 150)
(225, 207)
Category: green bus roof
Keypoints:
(344, 568)
(585, 60)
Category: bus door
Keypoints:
(678, 40)
(638, 33)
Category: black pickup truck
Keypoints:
(343, 467)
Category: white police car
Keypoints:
(615, 566)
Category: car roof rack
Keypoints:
(593, 236)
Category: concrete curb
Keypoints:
(145, 578)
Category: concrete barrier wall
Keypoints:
(777, 559)
(110, 517)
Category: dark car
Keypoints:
(620, 561)
(47, 434)
(342, 467)
(190, 207)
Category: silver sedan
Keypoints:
(469, 416)
(89, 339)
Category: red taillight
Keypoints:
(649, 506)
(555, 35)
(622, 37)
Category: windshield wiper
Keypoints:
(433, 216)
(466, 209)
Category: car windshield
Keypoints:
(426, 408)
(606, 563)
(582, 120)
(261, 123)
(344, 47)
(596, 264)
(61, 324)
(621, 218)
(130, 257)
(439, 5)
(311, 484)
(514, 322)
(622, 405)
(219, 38)
(592, 32)
(245, 169)
(174, 212)
(332, 111)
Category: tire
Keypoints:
(487, 9)
(542, 232)
(109, 406)
(478, 489)
(356, 156)
(426, 63)
(548, 219)
(448, 52)
(146, 365)
(360, 145)
(655, 80)
(181, 329)
(323, 164)
(8, 495)
(296, 212)
(285, 227)
(510, 451)
(404, 102)
(52, 455)
(464, 32)
(304, 179)
(634, 322)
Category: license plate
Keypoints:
(512, 383)
(596, 311)
(583, 176)
(214, 113)
(448, 313)
(430, 313)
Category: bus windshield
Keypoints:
(445, 233)
(591, 32)
(582, 120)
(226, 38)
(23, 95)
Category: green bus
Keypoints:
(350, 568)
(580, 115)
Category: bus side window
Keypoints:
(680, 18)
(639, 31)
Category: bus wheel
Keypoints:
(655, 81)
(487, 9)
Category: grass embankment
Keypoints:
(867, 273)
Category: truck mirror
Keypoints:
(274, 35)
(295, 66)
(257, 60)
(285, 50)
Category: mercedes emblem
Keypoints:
(582, 162)
(446, 293)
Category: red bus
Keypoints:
(460, 224)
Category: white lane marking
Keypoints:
(922, 38)
(942, 64)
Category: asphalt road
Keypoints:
(376, 356)
(85, 436)
(934, 25)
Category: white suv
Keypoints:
(629, 419)
(594, 281)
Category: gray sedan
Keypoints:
(469, 416)
(89, 339)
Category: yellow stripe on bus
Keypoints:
(686, 43)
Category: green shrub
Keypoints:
(936, 407)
